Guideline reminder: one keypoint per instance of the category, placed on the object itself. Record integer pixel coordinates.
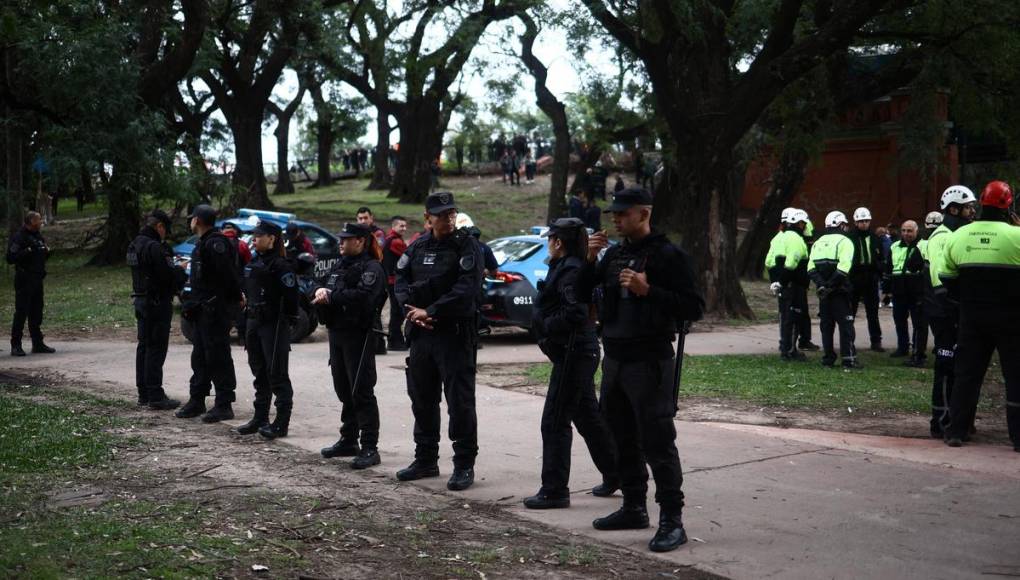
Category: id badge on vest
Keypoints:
(429, 259)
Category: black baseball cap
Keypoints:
(564, 228)
(162, 217)
(437, 203)
(267, 228)
(628, 198)
(205, 213)
(354, 230)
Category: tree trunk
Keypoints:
(701, 205)
(14, 173)
(381, 172)
(786, 181)
(283, 181)
(421, 140)
(124, 217)
(249, 176)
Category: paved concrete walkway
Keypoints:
(761, 502)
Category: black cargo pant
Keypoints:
(910, 306)
(28, 305)
(211, 362)
(352, 364)
(268, 344)
(944, 330)
(834, 310)
(571, 399)
(983, 331)
(637, 401)
(396, 323)
(153, 316)
(865, 289)
(442, 362)
(792, 310)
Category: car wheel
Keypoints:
(302, 327)
(188, 329)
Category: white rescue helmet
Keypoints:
(798, 216)
(960, 194)
(835, 219)
(862, 214)
(786, 215)
(932, 220)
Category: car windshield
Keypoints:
(511, 250)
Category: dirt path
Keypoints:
(335, 522)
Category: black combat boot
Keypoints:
(343, 448)
(876, 346)
(670, 535)
(143, 397)
(418, 470)
(193, 408)
(605, 489)
(16, 349)
(367, 457)
(632, 516)
(219, 412)
(543, 501)
(39, 347)
(462, 478)
(259, 420)
(807, 345)
(278, 428)
(163, 403)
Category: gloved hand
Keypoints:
(824, 291)
(776, 288)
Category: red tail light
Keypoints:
(508, 277)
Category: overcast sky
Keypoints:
(550, 49)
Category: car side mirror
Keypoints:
(305, 263)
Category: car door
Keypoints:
(327, 249)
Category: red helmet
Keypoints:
(997, 194)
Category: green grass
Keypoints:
(45, 448)
(37, 438)
(883, 385)
(77, 296)
(498, 210)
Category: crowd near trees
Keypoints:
(133, 95)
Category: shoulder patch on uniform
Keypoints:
(467, 263)
(368, 278)
(219, 247)
(288, 279)
(404, 260)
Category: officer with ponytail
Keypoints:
(353, 293)
(271, 303)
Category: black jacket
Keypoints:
(558, 312)
(214, 269)
(636, 327)
(357, 288)
(442, 276)
(153, 273)
(28, 252)
(270, 288)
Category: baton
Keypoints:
(361, 360)
(678, 365)
(558, 406)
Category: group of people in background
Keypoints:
(954, 280)
(512, 163)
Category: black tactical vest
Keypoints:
(346, 274)
(626, 315)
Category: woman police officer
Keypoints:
(566, 335)
(354, 291)
(271, 302)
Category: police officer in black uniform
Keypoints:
(154, 282)
(566, 334)
(28, 252)
(212, 305)
(355, 288)
(648, 293)
(438, 284)
(270, 303)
